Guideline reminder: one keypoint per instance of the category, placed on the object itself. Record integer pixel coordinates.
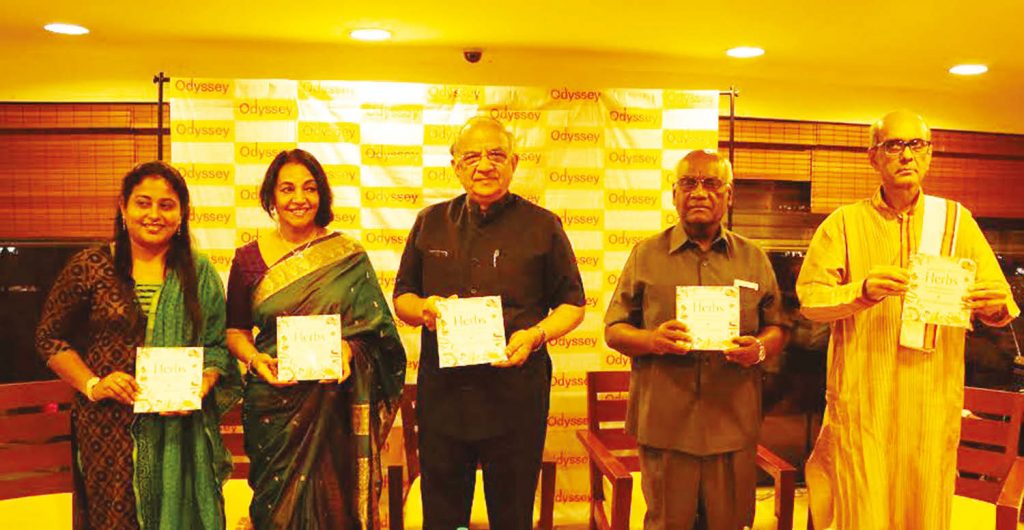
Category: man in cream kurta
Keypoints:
(886, 455)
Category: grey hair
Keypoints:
(697, 154)
(490, 122)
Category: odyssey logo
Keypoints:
(190, 130)
(266, 109)
(634, 158)
(574, 343)
(567, 135)
(206, 174)
(192, 86)
(564, 94)
(506, 114)
(581, 218)
(638, 198)
(636, 117)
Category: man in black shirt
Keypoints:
(487, 242)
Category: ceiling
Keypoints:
(896, 46)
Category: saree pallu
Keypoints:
(315, 447)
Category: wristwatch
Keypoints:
(543, 338)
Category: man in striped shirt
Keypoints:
(886, 455)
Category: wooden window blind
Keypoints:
(981, 170)
(61, 165)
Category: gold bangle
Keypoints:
(89, 385)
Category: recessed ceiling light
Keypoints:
(968, 69)
(66, 29)
(745, 52)
(370, 34)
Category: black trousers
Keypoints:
(510, 463)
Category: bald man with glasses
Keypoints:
(886, 455)
(696, 414)
(487, 242)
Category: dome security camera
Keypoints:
(472, 55)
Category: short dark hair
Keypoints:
(324, 213)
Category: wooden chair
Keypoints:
(397, 492)
(36, 442)
(613, 456)
(234, 440)
(988, 468)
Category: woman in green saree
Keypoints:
(147, 288)
(314, 446)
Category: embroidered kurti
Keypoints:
(886, 455)
(141, 471)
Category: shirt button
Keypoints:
(473, 291)
(475, 262)
(703, 264)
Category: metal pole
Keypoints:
(160, 79)
(732, 93)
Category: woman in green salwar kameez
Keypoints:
(313, 446)
(147, 288)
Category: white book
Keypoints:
(712, 314)
(470, 331)
(309, 348)
(937, 288)
(169, 379)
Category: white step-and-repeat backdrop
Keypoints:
(602, 159)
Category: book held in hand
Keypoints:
(170, 379)
(937, 288)
(712, 314)
(470, 331)
(309, 348)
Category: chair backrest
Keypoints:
(988, 441)
(35, 439)
(410, 432)
(234, 441)
(607, 395)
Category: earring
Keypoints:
(124, 225)
(181, 229)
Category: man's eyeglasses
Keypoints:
(473, 158)
(709, 183)
(896, 146)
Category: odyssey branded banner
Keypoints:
(602, 159)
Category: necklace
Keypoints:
(299, 249)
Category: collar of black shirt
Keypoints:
(493, 211)
(678, 240)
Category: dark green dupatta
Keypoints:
(315, 447)
(180, 462)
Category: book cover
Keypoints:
(470, 331)
(170, 379)
(309, 348)
(938, 285)
(712, 314)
